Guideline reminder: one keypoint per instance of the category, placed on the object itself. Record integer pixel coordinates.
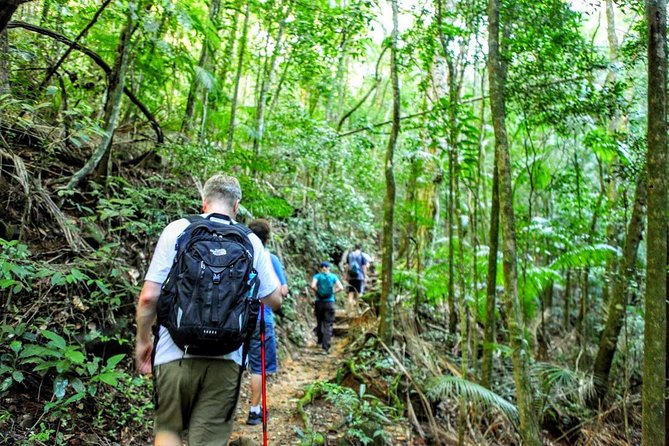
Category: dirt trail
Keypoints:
(304, 366)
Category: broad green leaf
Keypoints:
(17, 376)
(108, 378)
(15, 346)
(57, 340)
(114, 360)
(75, 355)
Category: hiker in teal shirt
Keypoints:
(325, 284)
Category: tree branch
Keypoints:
(160, 138)
(52, 69)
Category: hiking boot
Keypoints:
(254, 419)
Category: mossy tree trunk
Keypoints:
(387, 311)
(529, 429)
(617, 302)
(654, 358)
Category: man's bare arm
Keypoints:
(145, 317)
(274, 299)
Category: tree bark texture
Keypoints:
(491, 285)
(529, 429)
(4, 62)
(609, 338)
(387, 311)
(654, 358)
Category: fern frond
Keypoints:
(586, 256)
(206, 78)
(454, 387)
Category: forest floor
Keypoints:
(299, 368)
(304, 366)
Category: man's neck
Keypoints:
(219, 209)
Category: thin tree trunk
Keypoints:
(4, 63)
(329, 113)
(655, 341)
(238, 77)
(529, 429)
(491, 284)
(114, 97)
(267, 78)
(612, 187)
(609, 339)
(205, 55)
(387, 311)
(229, 50)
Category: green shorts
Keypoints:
(196, 394)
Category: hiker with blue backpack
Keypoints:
(263, 341)
(325, 284)
(201, 295)
(356, 269)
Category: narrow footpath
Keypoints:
(305, 365)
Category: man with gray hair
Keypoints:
(194, 393)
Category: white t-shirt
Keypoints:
(161, 263)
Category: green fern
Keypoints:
(455, 387)
(586, 256)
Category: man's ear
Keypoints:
(235, 207)
(204, 206)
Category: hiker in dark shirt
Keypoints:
(356, 269)
(325, 284)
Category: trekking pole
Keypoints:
(263, 374)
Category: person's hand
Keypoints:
(143, 352)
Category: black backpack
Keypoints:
(209, 301)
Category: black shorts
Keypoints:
(354, 285)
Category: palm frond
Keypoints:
(454, 387)
(571, 384)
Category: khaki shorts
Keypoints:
(196, 395)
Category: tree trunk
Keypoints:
(238, 77)
(386, 324)
(7, 10)
(266, 82)
(203, 63)
(114, 97)
(654, 357)
(529, 429)
(617, 302)
(491, 284)
(4, 63)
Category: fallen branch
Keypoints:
(160, 138)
